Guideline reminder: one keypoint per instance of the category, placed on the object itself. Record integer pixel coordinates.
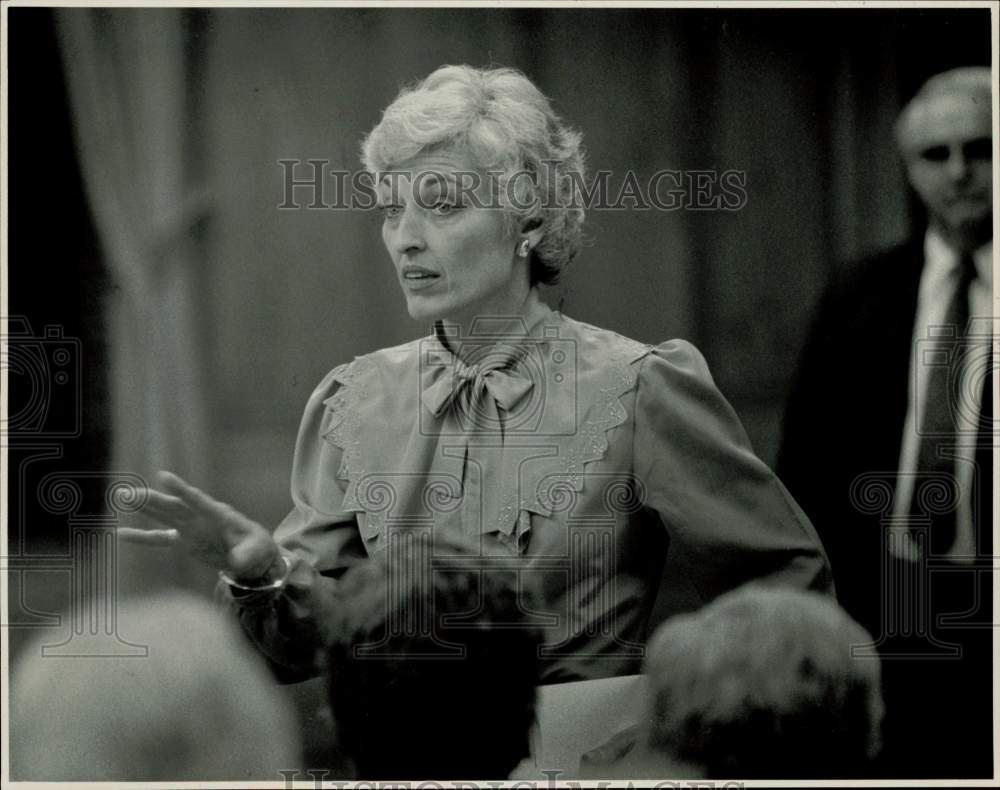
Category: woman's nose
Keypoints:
(409, 232)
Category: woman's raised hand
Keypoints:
(214, 532)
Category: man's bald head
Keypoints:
(944, 136)
(965, 90)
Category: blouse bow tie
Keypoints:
(464, 388)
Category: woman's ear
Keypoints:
(532, 232)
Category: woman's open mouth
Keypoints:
(416, 277)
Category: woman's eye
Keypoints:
(391, 210)
(444, 208)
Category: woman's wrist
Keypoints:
(273, 579)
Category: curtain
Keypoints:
(125, 70)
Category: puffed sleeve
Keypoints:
(732, 516)
(319, 539)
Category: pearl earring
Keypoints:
(524, 248)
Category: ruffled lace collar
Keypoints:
(533, 454)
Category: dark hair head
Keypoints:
(762, 683)
(432, 669)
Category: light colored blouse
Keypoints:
(572, 455)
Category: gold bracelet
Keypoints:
(275, 585)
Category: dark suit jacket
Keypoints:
(844, 422)
(845, 414)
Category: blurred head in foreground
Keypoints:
(432, 667)
(761, 683)
(199, 706)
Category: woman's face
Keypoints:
(448, 241)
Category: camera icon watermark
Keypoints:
(962, 360)
(44, 381)
(498, 379)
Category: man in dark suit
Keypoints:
(888, 434)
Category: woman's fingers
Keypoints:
(210, 528)
(149, 537)
(167, 510)
(189, 495)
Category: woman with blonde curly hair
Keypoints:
(566, 453)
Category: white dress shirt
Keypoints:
(938, 281)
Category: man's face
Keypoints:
(949, 160)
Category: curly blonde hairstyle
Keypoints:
(509, 127)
